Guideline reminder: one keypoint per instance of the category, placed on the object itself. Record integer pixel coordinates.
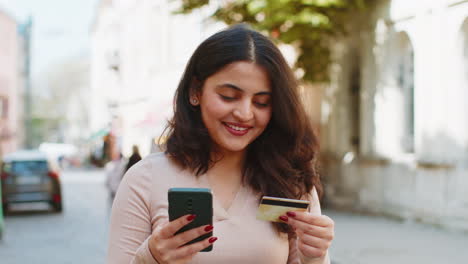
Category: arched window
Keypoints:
(405, 80)
(465, 52)
(462, 89)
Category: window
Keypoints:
(405, 80)
(465, 51)
(355, 93)
(29, 167)
(463, 80)
(3, 107)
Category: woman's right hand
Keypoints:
(168, 248)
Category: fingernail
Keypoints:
(208, 228)
(291, 214)
(284, 218)
(191, 217)
(212, 240)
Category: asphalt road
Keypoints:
(363, 239)
(35, 234)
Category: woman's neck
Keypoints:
(227, 167)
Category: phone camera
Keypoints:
(190, 204)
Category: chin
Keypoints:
(236, 148)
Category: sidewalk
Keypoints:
(378, 240)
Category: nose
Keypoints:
(243, 112)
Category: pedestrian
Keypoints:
(115, 170)
(134, 158)
(240, 129)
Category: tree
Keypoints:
(309, 25)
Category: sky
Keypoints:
(61, 29)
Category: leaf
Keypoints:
(256, 6)
(310, 24)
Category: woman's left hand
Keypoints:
(314, 232)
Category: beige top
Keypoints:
(141, 205)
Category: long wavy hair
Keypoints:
(281, 162)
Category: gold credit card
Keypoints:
(271, 208)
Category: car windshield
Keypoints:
(25, 167)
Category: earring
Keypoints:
(194, 101)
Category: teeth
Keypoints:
(237, 128)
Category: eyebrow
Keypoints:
(232, 86)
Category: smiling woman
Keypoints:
(234, 105)
(240, 130)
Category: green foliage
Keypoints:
(310, 25)
(189, 5)
(43, 128)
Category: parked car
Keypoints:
(1, 212)
(30, 176)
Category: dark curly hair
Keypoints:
(281, 161)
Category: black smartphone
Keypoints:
(197, 201)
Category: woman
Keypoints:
(115, 169)
(239, 129)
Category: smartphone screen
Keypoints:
(197, 201)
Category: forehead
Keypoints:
(248, 76)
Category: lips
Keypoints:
(236, 129)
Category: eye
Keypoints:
(227, 98)
(261, 105)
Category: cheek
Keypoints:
(215, 109)
(264, 118)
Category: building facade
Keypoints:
(394, 117)
(139, 51)
(11, 89)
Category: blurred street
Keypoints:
(79, 235)
(91, 83)
(378, 240)
(33, 234)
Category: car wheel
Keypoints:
(5, 208)
(57, 207)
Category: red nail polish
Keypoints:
(191, 217)
(291, 214)
(284, 218)
(212, 240)
(208, 228)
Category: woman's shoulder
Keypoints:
(155, 161)
(158, 158)
(155, 174)
(157, 165)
